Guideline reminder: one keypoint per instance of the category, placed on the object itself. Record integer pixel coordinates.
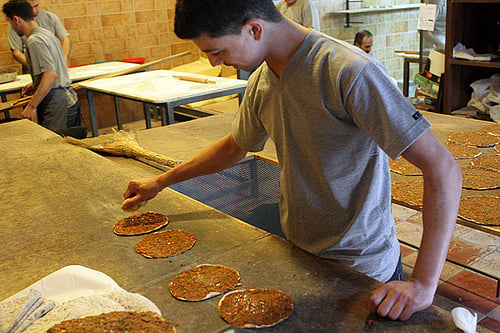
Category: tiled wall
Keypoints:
(113, 29)
(392, 30)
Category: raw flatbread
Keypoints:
(487, 161)
(463, 151)
(132, 301)
(165, 243)
(474, 178)
(203, 282)
(122, 321)
(12, 312)
(409, 192)
(497, 148)
(140, 224)
(403, 167)
(478, 139)
(255, 308)
(493, 129)
(480, 209)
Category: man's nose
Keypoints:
(215, 60)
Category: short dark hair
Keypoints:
(358, 39)
(217, 18)
(20, 8)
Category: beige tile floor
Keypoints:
(470, 247)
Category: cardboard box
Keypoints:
(426, 83)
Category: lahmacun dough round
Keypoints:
(463, 151)
(497, 148)
(475, 178)
(203, 282)
(403, 167)
(487, 161)
(480, 209)
(478, 139)
(410, 192)
(140, 224)
(118, 321)
(165, 244)
(255, 308)
(493, 129)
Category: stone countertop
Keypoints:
(61, 201)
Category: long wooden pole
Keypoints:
(25, 100)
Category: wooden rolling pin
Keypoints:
(25, 100)
(193, 79)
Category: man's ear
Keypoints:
(254, 28)
(16, 19)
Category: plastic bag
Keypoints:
(486, 96)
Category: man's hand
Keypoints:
(28, 90)
(29, 112)
(140, 190)
(401, 299)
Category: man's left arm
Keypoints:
(66, 48)
(442, 190)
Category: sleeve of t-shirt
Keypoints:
(40, 55)
(15, 41)
(60, 30)
(379, 109)
(247, 129)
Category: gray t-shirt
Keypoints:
(43, 54)
(303, 12)
(46, 20)
(333, 115)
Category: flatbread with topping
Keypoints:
(497, 148)
(463, 151)
(409, 193)
(403, 167)
(493, 129)
(203, 282)
(140, 224)
(487, 161)
(480, 209)
(255, 308)
(165, 243)
(118, 321)
(474, 178)
(478, 139)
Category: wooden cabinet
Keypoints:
(474, 23)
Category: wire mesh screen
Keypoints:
(248, 191)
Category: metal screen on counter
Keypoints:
(248, 191)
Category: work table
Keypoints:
(61, 201)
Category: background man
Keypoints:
(54, 102)
(364, 40)
(46, 20)
(303, 12)
(334, 116)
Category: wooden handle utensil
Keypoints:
(193, 78)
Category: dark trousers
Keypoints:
(398, 272)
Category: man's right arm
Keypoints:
(214, 158)
(20, 57)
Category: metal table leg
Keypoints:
(118, 114)
(6, 113)
(93, 120)
(147, 116)
(406, 77)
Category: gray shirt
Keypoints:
(43, 54)
(303, 12)
(46, 20)
(334, 116)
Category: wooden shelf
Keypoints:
(378, 9)
(487, 64)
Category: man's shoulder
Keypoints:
(46, 17)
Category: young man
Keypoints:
(333, 115)
(364, 40)
(303, 12)
(46, 20)
(54, 102)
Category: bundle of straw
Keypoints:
(122, 143)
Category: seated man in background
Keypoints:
(303, 12)
(46, 20)
(54, 102)
(364, 40)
